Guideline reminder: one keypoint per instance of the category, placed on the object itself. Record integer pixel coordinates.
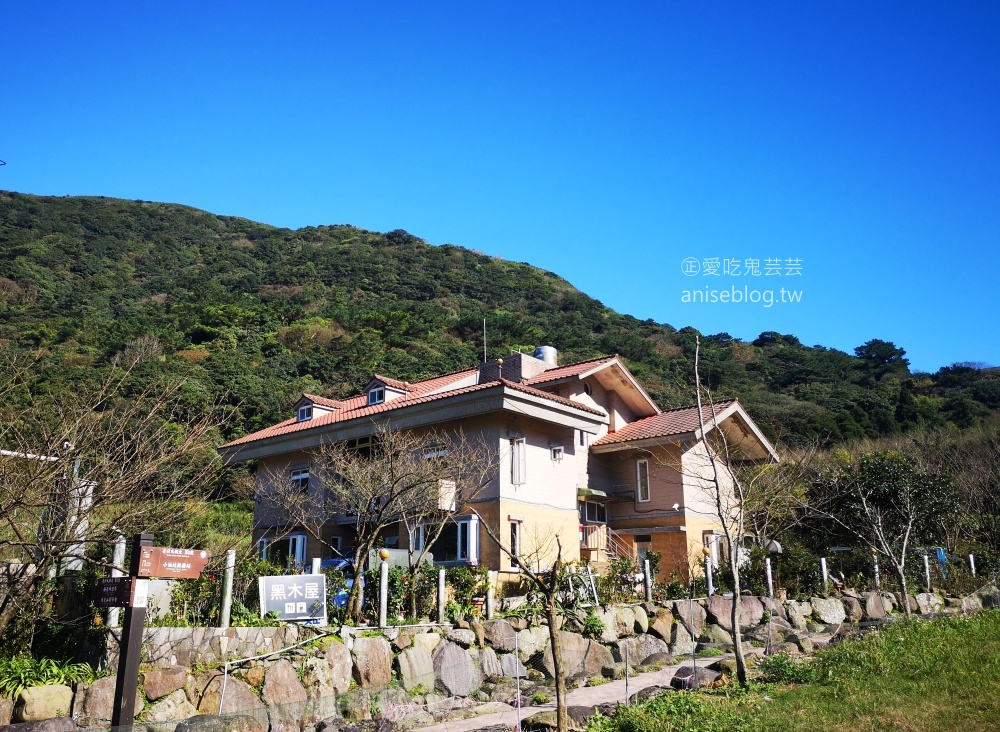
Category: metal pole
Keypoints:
(227, 589)
(117, 559)
(649, 580)
(517, 677)
(491, 583)
(626, 673)
(593, 587)
(927, 572)
(383, 594)
(440, 597)
(878, 580)
(709, 585)
(826, 575)
(972, 564)
(694, 646)
(770, 581)
(130, 647)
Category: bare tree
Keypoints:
(886, 503)
(81, 469)
(397, 478)
(542, 550)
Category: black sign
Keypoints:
(112, 591)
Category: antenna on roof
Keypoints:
(484, 340)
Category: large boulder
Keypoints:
(720, 611)
(428, 641)
(662, 624)
(579, 656)
(239, 699)
(624, 621)
(689, 678)
(162, 681)
(464, 638)
(99, 703)
(416, 668)
(6, 711)
(455, 670)
(285, 698)
(853, 608)
(512, 666)
(910, 600)
(639, 648)
(641, 619)
(929, 603)
(341, 666)
(828, 610)
(799, 613)
(990, 596)
(609, 618)
(531, 641)
(712, 633)
(500, 635)
(971, 604)
(489, 664)
(873, 606)
(43, 702)
(692, 614)
(316, 676)
(774, 607)
(681, 642)
(372, 662)
(229, 723)
(58, 724)
(172, 708)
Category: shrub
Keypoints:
(783, 669)
(593, 626)
(22, 672)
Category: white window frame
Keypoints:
(376, 395)
(583, 438)
(557, 453)
(305, 412)
(518, 461)
(642, 466)
(296, 546)
(435, 450)
(299, 478)
(592, 516)
(515, 542)
(336, 542)
(468, 526)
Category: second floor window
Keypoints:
(642, 480)
(305, 412)
(376, 395)
(518, 461)
(300, 479)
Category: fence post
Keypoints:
(648, 580)
(626, 672)
(491, 591)
(118, 559)
(927, 571)
(709, 585)
(227, 589)
(383, 594)
(972, 564)
(517, 678)
(826, 575)
(316, 565)
(770, 580)
(878, 580)
(440, 597)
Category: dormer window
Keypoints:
(305, 412)
(376, 395)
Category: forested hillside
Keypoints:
(254, 315)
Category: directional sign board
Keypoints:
(112, 591)
(166, 563)
(120, 592)
(295, 597)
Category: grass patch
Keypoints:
(910, 676)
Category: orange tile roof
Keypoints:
(421, 392)
(394, 383)
(665, 424)
(323, 401)
(572, 369)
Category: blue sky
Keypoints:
(605, 143)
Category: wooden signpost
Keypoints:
(132, 593)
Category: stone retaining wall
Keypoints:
(450, 670)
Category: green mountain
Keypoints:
(255, 315)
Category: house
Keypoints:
(585, 455)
